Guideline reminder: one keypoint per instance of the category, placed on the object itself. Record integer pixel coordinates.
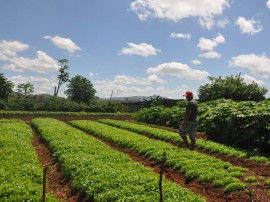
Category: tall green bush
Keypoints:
(161, 115)
(243, 124)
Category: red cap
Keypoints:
(189, 92)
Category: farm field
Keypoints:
(88, 159)
(20, 170)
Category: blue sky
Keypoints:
(135, 47)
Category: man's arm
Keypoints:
(186, 117)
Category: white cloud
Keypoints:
(249, 26)
(142, 49)
(41, 64)
(180, 35)
(140, 81)
(10, 49)
(127, 90)
(179, 70)
(176, 10)
(210, 54)
(124, 85)
(207, 22)
(222, 23)
(219, 39)
(63, 43)
(210, 44)
(105, 87)
(196, 62)
(170, 93)
(155, 79)
(268, 4)
(257, 64)
(249, 80)
(41, 84)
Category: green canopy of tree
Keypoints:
(25, 91)
(231, 87)
(63, 77)
(80, 89)
(5, 87)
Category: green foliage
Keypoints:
(25, 89)
(5, 88)
(267, 182)
(182, 103)
(103, 173)
(260, 159)
(161, 115)
(231, 87)
(59, 104)
(80, 89)
(173, 137)
(3, 105)
(238, 123)
(55, 104)
(193, 164)
(61, 113)
(63, 77)
(235, 187)
(250, 179)
(24, 95)
(21, 171)
(110, 106)
(152, 102)
(243, 124)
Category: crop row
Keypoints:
(193, 164)
(3, 112)
(103, 173)
(20, 170)
(173, 137)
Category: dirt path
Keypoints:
(57, 183)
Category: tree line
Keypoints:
(80, 95)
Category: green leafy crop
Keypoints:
(193, 164)
(20, 170)
(103, 173)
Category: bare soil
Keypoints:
(60, 185)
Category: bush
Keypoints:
(242, 124)
(161, 115)
(3, 105)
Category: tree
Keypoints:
(152, 102)
(80, 89)
(231, 87)
(63, 77)
(5, 88)
(25, 90)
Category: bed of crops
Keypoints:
(112, 160)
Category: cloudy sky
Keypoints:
(135, 47)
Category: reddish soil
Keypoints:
(60, 186)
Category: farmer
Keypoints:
(189, 124)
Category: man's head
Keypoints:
(188, 95)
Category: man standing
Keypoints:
(189, 124)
